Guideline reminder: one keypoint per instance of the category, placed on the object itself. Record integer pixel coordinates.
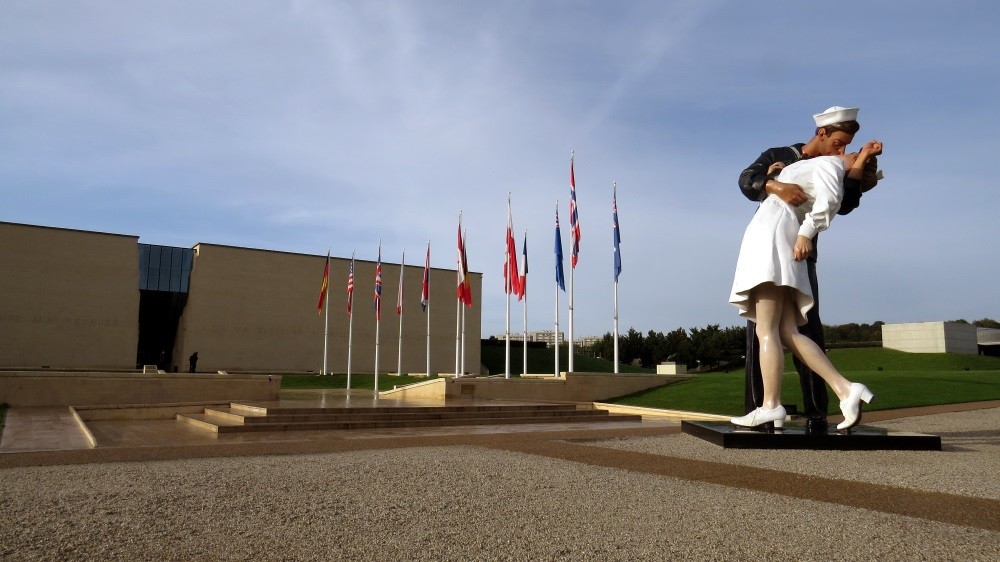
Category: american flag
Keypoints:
(350, 286)
(378, 284)
(574, 219)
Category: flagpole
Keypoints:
(617, 259)
(616, 327)
(378, 312)
(572, 266)
(326, 316)
(427, 308)
(465, 246)
(524, 294)
(558, 249)
(350, 321)
(556, 334)
(459, 303)
(506, 288)
(399, 303)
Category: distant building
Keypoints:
(549, 337)
(989, 341)
(931, 337)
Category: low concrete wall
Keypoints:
(30, 388)
(574, 387)
(931, 337)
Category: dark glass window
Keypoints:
(165, 268)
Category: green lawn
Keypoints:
(359, 381)
(542, 360)
(906, 380)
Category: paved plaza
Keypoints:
(611, 491)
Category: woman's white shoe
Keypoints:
(760, 416)
(851, 406)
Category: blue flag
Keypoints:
(618, 235)
(560, 278)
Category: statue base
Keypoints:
(796, 436)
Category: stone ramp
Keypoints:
(250, 417)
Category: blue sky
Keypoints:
(299, 126)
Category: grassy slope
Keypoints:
(906, 380)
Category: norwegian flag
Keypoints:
(425, 290)
(350, 286)
(378, 284)
(574, 219)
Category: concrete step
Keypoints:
(389, 424)
(408, 416)
(251, 409)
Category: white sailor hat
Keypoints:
(836, 114)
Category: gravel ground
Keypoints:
(966, 466)
(436, 503)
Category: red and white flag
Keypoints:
(574, 218)
(464, 289)
(425, 290)
(511, 274)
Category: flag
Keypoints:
(378, 284)
(464, 290)
(574, 219)
(399, 293)
(560, 278)
(350, 286)
(524, 271)
(617, 235)
(323, 287)
(425, 290)
(511, 275)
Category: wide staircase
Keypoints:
(246, 417)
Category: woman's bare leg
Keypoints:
(769, 299)
(807, 350)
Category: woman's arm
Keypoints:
(871, 148)
(827, 181)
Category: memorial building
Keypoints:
(72, 299)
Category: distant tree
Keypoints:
(987, 323)
(853, 333)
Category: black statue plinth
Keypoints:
(796, 436)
